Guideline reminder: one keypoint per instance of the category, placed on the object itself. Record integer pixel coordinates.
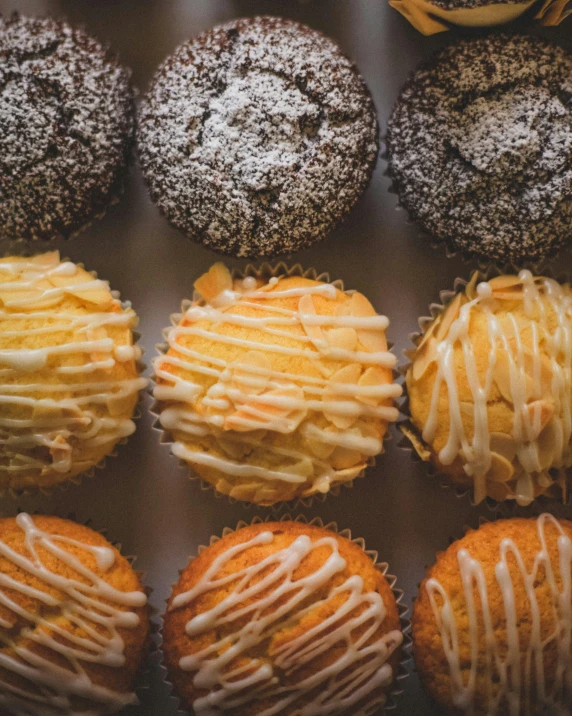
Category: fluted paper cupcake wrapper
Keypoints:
(435, 309)
(151, 656)
(22, 249)
(405, 660)
(447, 246)
(265, 271)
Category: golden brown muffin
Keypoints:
(280, 615)
(490, 388)
(492, 622)
(276, 389)
(74, 622)
(432, 16)
(69, 377)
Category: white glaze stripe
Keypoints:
(267, 595)
(511, 669)
(89, 603)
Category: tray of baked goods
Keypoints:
(285, 357)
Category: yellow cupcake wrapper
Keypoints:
(406, 657)
(405, 424)
(265, 271)
(21, 249)
(430, 19)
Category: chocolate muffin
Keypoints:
(491, 625)
(74, 620)
(66, 128)
(480, 147)
(282, 618)
(257, 137)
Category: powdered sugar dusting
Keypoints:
(257, 137)
(66, 126)
(480, 147)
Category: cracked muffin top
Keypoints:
(277, 388)
(480, 147)
(66, 128)
(257, 137)
(490, 388)
(283, 618)
(74, 622)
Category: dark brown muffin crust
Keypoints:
(257, 137)
(66, 128)
(480, 147)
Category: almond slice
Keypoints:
(550, 444)
(212, 283)
(345, 338)
(255, 380)
(96, 295)
(345, 458)
(501, 470)
(471, 287)
(506, 281)
(537, 416)
(266, 412)
(504, 445)
(425, 355)
(447, 318)
(373, 341)
(306, 307)
(348, 374)
(501, 375)
(372, 377)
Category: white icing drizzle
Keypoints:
(95, 609)
(67, 416)
(538, 448)
(267, 593)
(513, 669)
(275, 401)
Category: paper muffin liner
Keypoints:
(33, 249)
(435, 310)
(265, 272)
(405, 623)
(447, 246)
(151, 656)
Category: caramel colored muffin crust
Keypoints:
(283, 597)
(496, 603)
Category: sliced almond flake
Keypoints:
(550, 444)
(504, 445)
(320, 449)
(372, 377)
(348, 374)
(212, 283)
(501, 470)
(499, 491)
(471, 287)
(345, 458)
(506, 281)
(373, 341)
(265, 413)
(425, 355)
(345, 338)
(303, 468)
(538, 414)
(524, 489)
(447, 318)
(120, 405)
(501, 375)
(251, 382)
(306, 307)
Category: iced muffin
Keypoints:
(278, 388)
(492, 624)
(431, 16)
(282, 618)
(74, 624)
(490, 386)
(69, 375)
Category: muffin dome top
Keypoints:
(66, 126)
(278, 388)
(69, 378)
(282, 618)
(490, 388)
(73, 620)
(480, 144)
(257, 137)
(492, 622)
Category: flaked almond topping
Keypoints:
(501, 470)
(504, 445)
(344, 338)
(507, 281)
(348, 374)
(251, 373)
(372, 377)
(306, 307)
(214, 282)
(343, 458)
(373, 340)
(451, 313)
(265, 412)
(537, 415)
(501, 375)
(97, 296)
(418, 445)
